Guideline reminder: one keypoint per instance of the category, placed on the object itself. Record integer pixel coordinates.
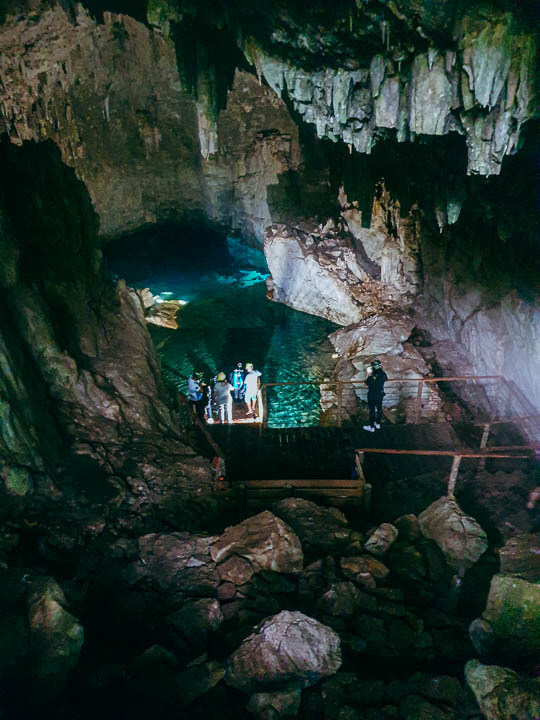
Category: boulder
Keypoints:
(289, 650)
(443, 689)
(195, 620)
(381, 540)
(347, 687)
(264, 541)
(197, 680)
(513, 613)
(408, 527)
(270, 705)
(56, 637)
(176, 562)
(501, 693)
(415, 707)
(316, 578)
(342, 600)
(377, 335)
(459, 536)
(521, 556)
(324, 530)
(356, 568)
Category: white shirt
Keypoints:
(251, 383)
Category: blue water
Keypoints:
(227, 318)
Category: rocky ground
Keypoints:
(291, 612)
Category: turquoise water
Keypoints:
(228, 319)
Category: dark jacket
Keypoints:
(375, 383)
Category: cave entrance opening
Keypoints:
(226, 317)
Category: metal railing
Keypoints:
(503, 452)
(518, 408)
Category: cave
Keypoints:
(327, 193)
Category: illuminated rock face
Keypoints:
(481, 88)
(131, 130)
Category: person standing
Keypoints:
(222, 393)
(196, 392)
(251, 388)
(375, 379)
(236, 378)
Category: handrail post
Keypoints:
(453, 475)
(264, 404)
(483, 445)
(339, 404)
(419, 400)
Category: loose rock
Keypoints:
(290, 650)
(459, 536)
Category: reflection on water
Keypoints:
(228, 319)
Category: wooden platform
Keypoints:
(240, 416)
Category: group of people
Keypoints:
(216, 397)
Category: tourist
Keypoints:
(375, 379)
(196, 393)
(251, 389)
(236, 378)
(223, 398)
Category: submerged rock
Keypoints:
(289, 650)
(501, 693)
(459, 536)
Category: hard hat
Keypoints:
(376, 364)
(238, 365)
(249, 366)
(221, 376)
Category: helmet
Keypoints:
(249, 366)
(376, 364)
(239, 366)
(220, 377)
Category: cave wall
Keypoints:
(155, 140)
(110, 96)
(79, 378)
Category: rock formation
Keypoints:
(382, 153)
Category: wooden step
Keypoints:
(303, 492)
(324, 483)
